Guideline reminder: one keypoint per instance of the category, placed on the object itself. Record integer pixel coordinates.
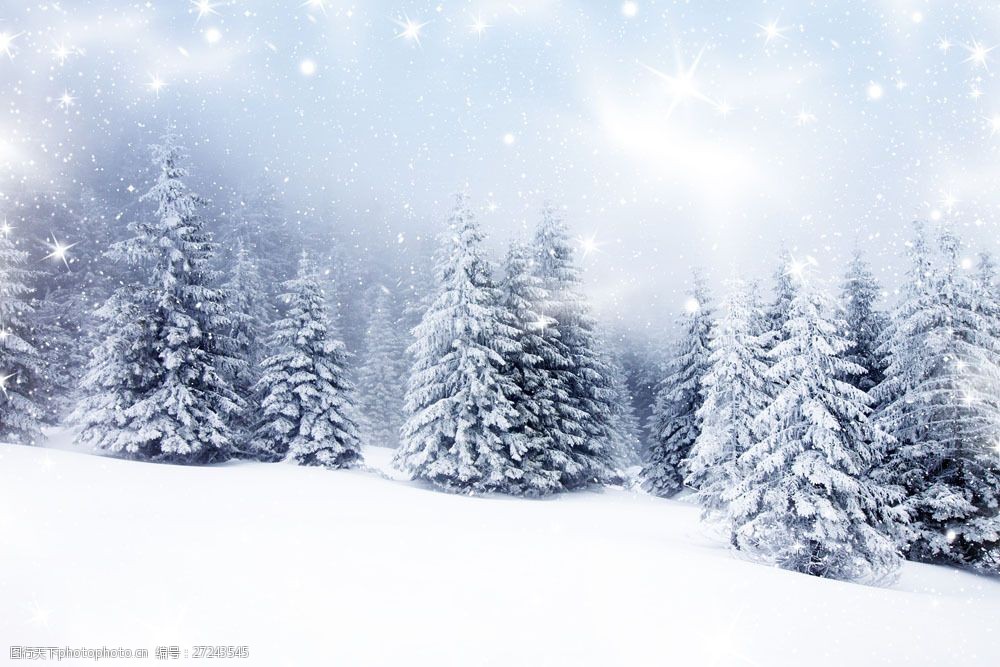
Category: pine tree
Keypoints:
(381, 379)
(865, 323)
(21, 365)
(248, 312)
(805, 502)
(776, 313)
(736, 389)
(583, 391)
(534, 434)
(458, 400)
(939, 401)
(155, 388)
(675, 423)
(305, 396)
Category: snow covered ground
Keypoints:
(315, 567)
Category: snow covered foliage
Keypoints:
(21, 366)
(940, 401)
(735, 389)
(588, 432)
(156, 388)
(304, 394)
(248, 312)
(865, 322)
(675, 422)
(381, 378)
(805, 502)
(460, 399)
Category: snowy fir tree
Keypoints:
(583, 387)
(735, 390)
(675, 423)
(306, 413)
(458, 399)
(382, 375)
(939, 400)
(865, 322)
(248, 312)
(776, 314)
(805, 502)
(21, 365)
(156, 388)
(535, 434)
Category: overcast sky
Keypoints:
(673, 133)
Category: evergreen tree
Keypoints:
(381, 379)
(21, 365)
(805, 501)
(939, 401)
(155, 388)
(736, 389)
(458, 400)
(534, 435)
(305, 396)
(246, 300)
(865, 323)
(777, 312)
(583, 392)
(675, 423)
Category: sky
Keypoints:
(671, 134)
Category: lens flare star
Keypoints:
(771, 31)
(682, 86)
(204, 8)
(156, 84)
(7, 43)
(4, 381)
(978, 54)
(59, 251)
(410, 29)
(478, 26)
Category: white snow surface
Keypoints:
(315, 567)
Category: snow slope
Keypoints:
(315, 567)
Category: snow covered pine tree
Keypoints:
(246, 306)
(939, 400)
(735, 390)
(458, 400)
(381, 378)
(155, 388)
(675, 423)
(805, 502)
(865, 323)
(304, 391)
(21, 367)
(534, 436)
(583, 386)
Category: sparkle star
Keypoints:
(804, 118)
(682, 85)
(59, 251)
(478, 26)
(772, 31)
(66, 100)
(994, 123)
(62, 52)
(204, 8)
(411, 29)
(978, 54)
(316, 4)
(589, 245)
(4, 381)
(156, 84)
(7, 43)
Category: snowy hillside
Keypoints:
(309, 566)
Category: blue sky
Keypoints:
(673, 133)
